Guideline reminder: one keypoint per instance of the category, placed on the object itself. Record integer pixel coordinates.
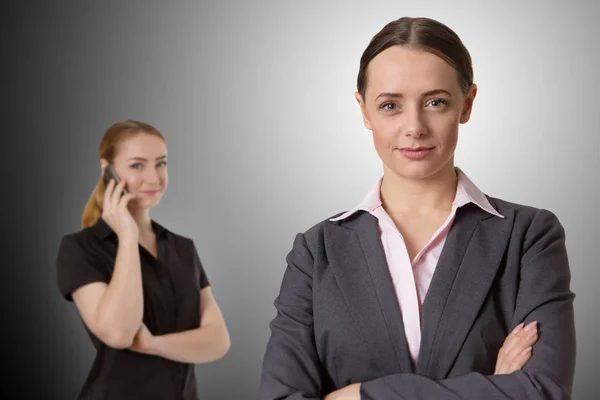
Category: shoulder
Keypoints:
(78, 241)
(316, 229)
(181, 243)
(162, 231)
(316, 235)
(532, 222)
(523, 212)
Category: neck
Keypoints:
(400, 195)
(142, 219)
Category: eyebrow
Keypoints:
(144, 159)
(400, 96)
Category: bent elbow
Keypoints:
(225, 346)
(219, 349)
(115, 334)
(118, 340)
(544, 386)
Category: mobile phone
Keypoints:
(109, 173)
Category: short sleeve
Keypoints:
(198, 268)
(76, 265)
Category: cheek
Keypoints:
(133, 181)
(445, 129)
(450, 136)
(385, 130)
(164, 177)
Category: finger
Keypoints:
(511, 337)
(517, 329)
(518, 334)
(116, 195)
(529, 335)
(522, 341)
(511, 342)
(508, 366)
(106, 204)
(124, 201)
(521, 359)
(530, 326)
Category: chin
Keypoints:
(146, 203)
(422, 169)
(150, 204)
(416, 170)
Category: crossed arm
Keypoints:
(292, 371)
(209, 342)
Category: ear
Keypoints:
(468, 104)
(363, 110)
(103, 164)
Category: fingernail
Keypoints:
(531, 326)
(517, 328)
(527, 350)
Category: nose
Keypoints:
(414, 125)
(152, 176)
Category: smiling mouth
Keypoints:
(415, 153)
(415, 148)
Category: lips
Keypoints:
(416, 148)
(415, 153)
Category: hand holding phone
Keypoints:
(114, 210)
(109, 173)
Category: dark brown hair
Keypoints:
(116, 134)
(422, 33)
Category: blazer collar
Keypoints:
(466, 269)
(466, 192)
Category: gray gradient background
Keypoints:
(265, 139)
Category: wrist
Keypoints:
(156, 345)
(128, 239)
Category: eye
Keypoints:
(437, 103)
(388, 106)
(136, 165)
(162, 164)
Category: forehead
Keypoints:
(400, 69)
(141, 145)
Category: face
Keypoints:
(413, 104)
(141, 161)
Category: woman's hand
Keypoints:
(143, 342)
(516, 350)
(513, 355)
(350, 392)
(115, 211)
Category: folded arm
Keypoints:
(113, 311)
(292, 370)
(544, 296)
(209, 342)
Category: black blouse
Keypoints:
(171, 285)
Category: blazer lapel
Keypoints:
(359, 265)
(465, 272)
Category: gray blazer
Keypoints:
(338, 320)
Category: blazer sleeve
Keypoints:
(291, 367)
(544, 295)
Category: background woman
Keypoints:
(141, 289)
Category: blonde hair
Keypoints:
(116, 134)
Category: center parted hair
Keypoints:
(420, 33)
(116, 134)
